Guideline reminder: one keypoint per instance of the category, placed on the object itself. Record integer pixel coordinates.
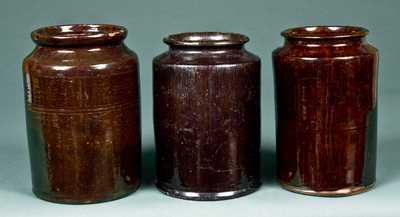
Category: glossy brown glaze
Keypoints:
(207, 116)
(326, 89)
(82, 112)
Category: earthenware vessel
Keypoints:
(82, 113)
(326, 104)
(207, 116)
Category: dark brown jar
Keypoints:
(82, 113)
(207, 116)
(326, 103)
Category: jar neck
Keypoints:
(206, 48)
(339, 42)
(325, 36)
(206, 42)
(78, 35)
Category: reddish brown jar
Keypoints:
(207, 116)
(82, 112)
(326, 89)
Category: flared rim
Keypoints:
(325, 32)
(79, 34)
(206, 39)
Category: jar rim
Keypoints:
(325, 32)
(205, 39)
(78, 34)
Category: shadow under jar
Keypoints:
(207, 116)
(326, 104)
(82, 113)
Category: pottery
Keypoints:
(207, 116)
(82, 114)
(326, 106)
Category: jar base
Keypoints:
(336, 193)
(207, 196)
(65, 200)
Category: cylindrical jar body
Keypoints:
(207, 117)
(82, 113)
(326, 104)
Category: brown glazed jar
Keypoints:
(326, 103)
(82, 113)
(207, 116)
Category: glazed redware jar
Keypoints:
(82, 113)
(207, 116)
(326, 104)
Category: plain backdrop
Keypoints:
(148, 22)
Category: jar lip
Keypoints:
(79, 34)
(211, 39)
(325, 32)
